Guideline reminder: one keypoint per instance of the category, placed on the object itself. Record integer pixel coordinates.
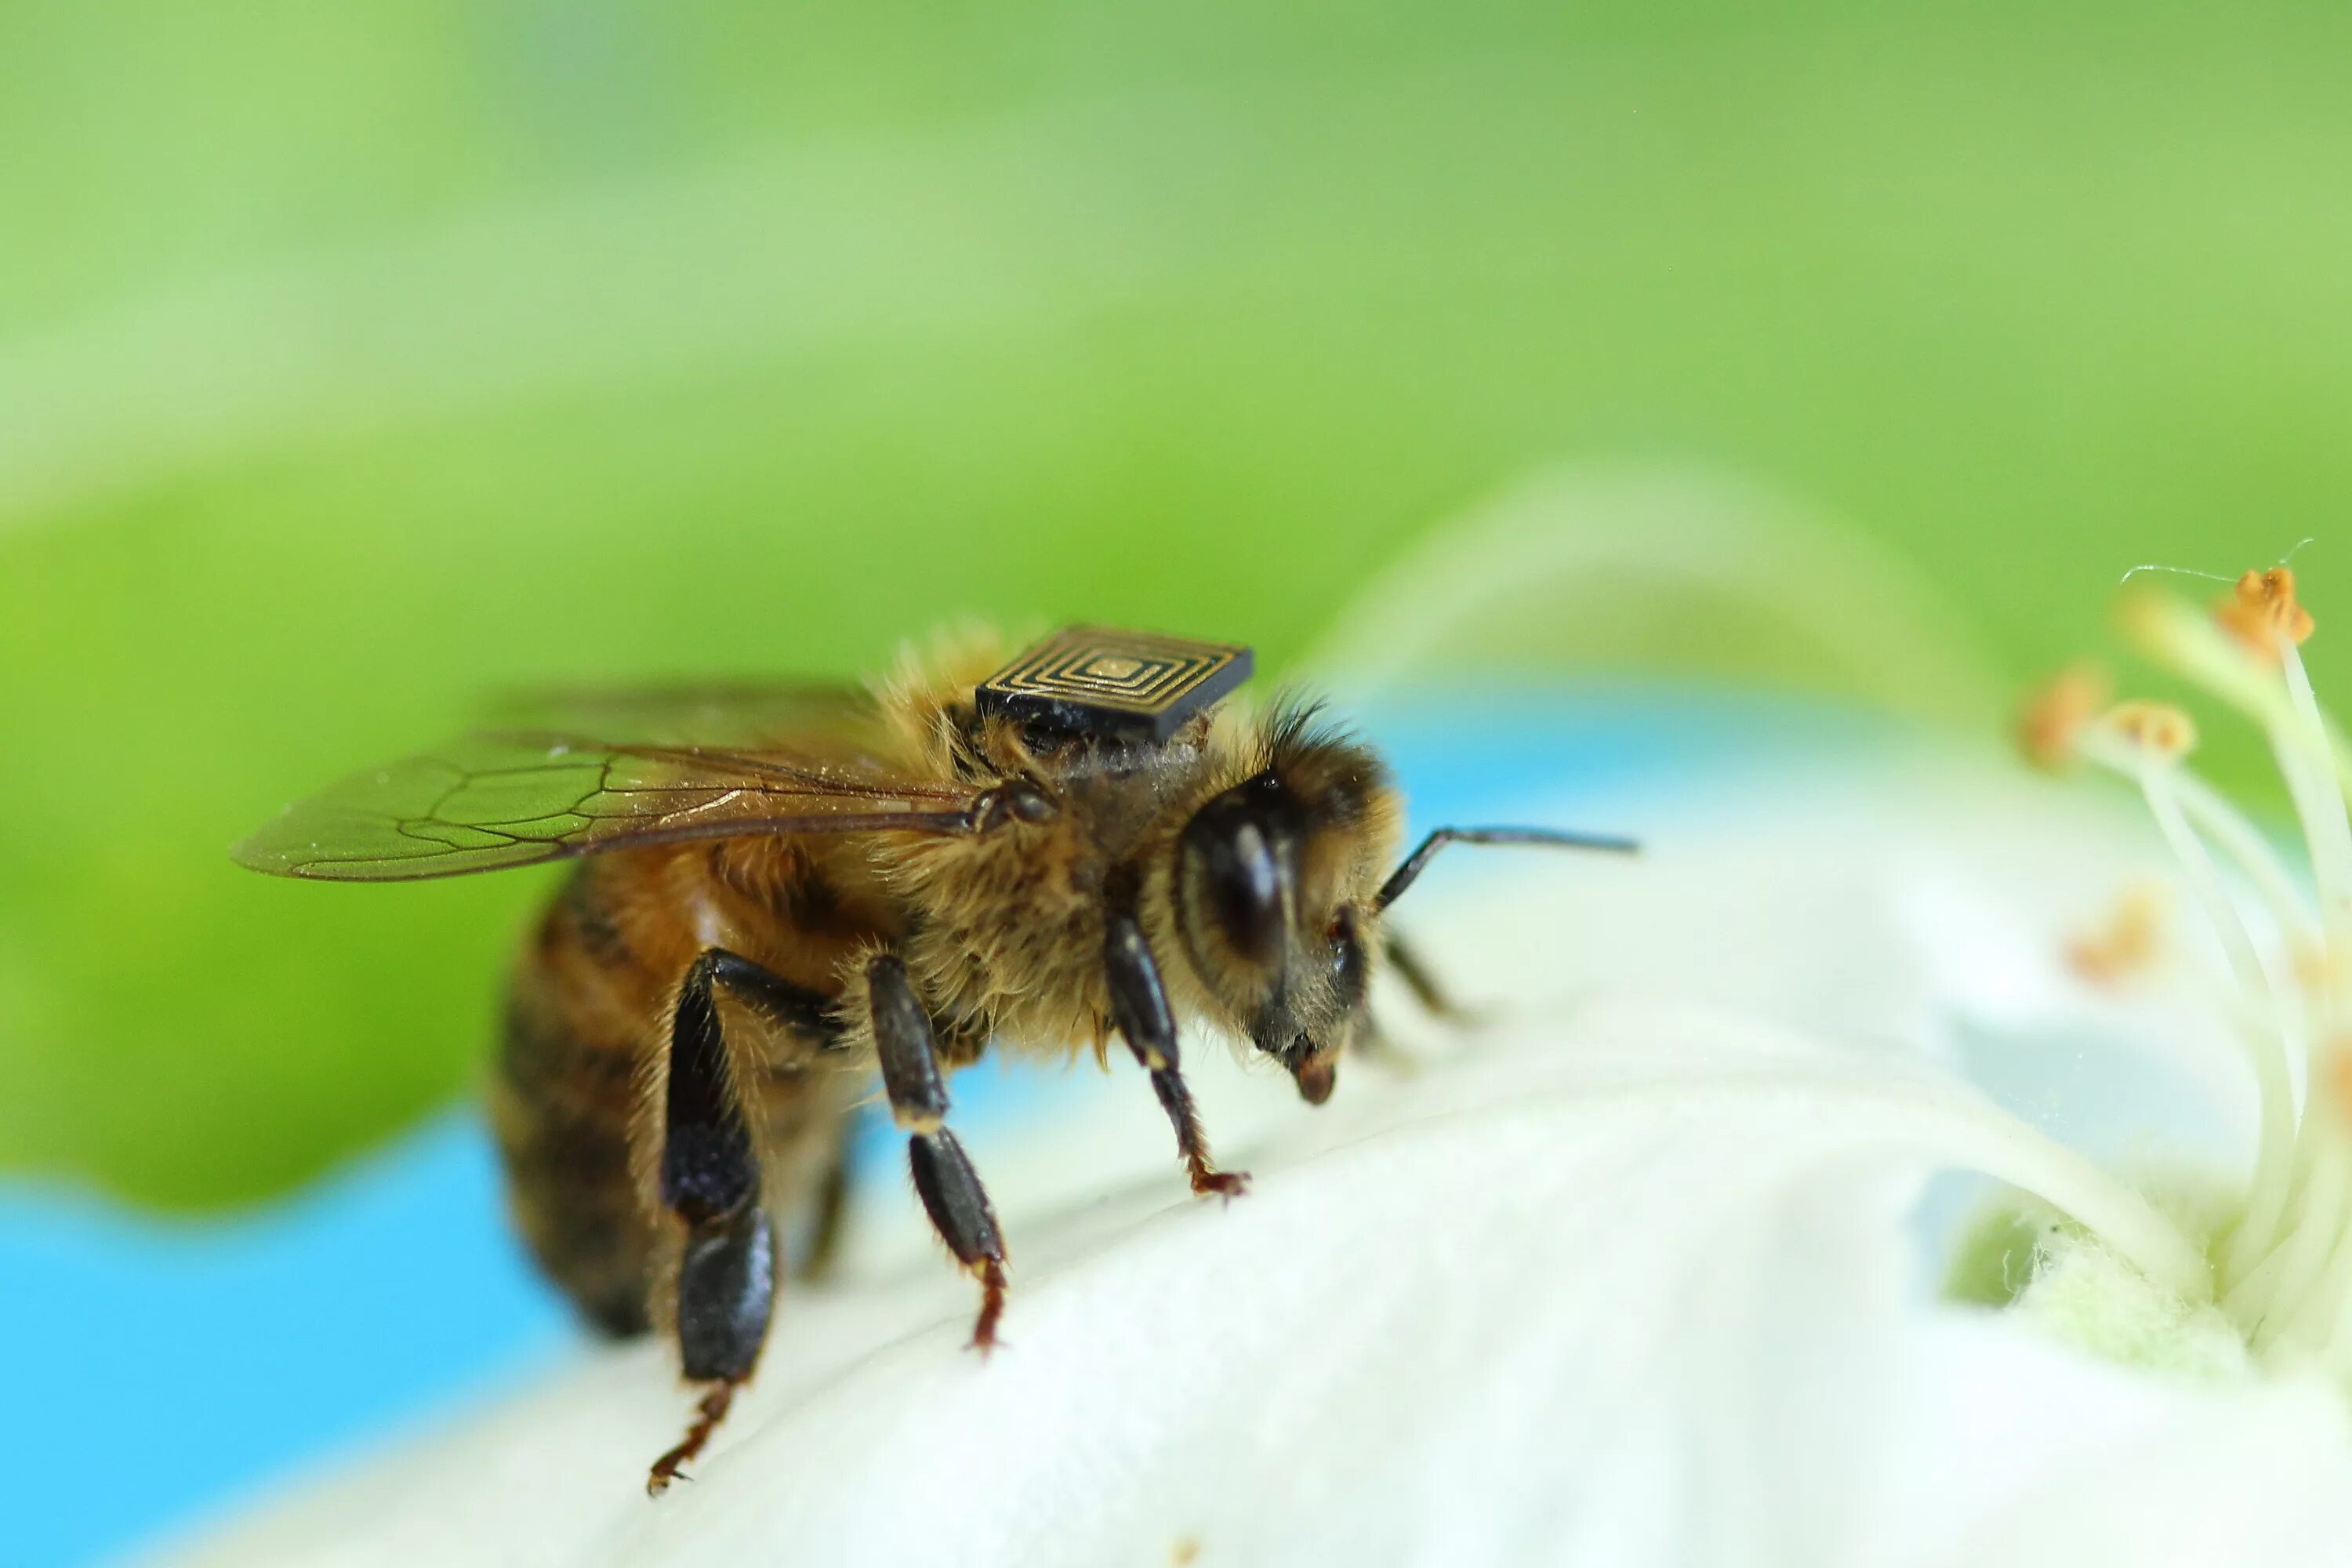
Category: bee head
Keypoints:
(1275, 889)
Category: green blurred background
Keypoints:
(357, 359)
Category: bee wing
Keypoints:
(491, 800)
(745, 716)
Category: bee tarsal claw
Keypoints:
(670, 1467)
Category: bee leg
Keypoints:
(1368, 1042)
(726, 1289)
(1139, 1006)
(832, 1207)
(958, 1205)
(799, 1010)
(786, 1006)
(944, 1178)
(1419, 979)
(710, 1179)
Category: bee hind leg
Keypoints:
(831, 1216)
(1139, 1005)
(725, 1291)
(949, 1188)
(808, 1014)
(710, 1179)
(708, 1413)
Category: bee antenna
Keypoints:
(1402, 876)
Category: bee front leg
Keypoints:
(944, 1179)
(710, 1179)
(1423, 982)
(1139, 1006)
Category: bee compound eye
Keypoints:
(1233, 861)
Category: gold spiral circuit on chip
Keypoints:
(1096, 674)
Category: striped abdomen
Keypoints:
(574, 1070)
(581, 1068)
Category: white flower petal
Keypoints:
(1473, 1321)
(1626, 1283)
(1622, 1292)
(2025, 1453)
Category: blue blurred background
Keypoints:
(357, 361)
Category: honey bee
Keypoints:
(783, 893)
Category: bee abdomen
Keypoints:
(562, 1107)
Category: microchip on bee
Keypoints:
(1118, 685)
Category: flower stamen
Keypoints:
(2261, 612)
(2272, 1030)
(2127, 943)
(2284, 1266)
(2165, 732)
(2055, 713)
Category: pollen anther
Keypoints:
(2263, 612)
(2156, 728)
(2334, 1079)
(2127, 942)
(2054, 713)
